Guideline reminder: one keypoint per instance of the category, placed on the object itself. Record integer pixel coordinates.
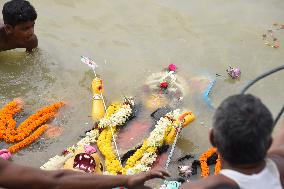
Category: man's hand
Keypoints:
(138, 181)
(33, 43)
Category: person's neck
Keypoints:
(247, 169)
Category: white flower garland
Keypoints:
(146, 160)
(116, 119)
(58, 161)
(175, 82)
(155, 140)
(91, 137)
(156, 136)
(169, 77)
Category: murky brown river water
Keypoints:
(137, 38)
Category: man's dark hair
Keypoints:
(242, 129)
(224, 186)
(18, 11)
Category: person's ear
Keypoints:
(9, 29)
(212, 138)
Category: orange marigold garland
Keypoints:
(6, 115)
(218, 165)
(11, 108)
(27, 141)
(203, 162)
(10, 134)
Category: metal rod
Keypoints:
(173, 148)
(113, 138)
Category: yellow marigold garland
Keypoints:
(170, 134)
(22, 134)
(136, 156)
(112, 109)
(104, 142)
(112, 163)
(203, 162)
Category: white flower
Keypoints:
(157, 135)
(56, 162)
(118, 118)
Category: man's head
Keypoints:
(19, 18)
(242, 130)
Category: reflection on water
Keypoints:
(23, 75)
(130, 41)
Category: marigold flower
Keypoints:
(203, 162)
(10, 134)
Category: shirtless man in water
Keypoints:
(250, 157)
(17, 26)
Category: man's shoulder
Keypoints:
(208, 182)
(2, 37)
(279, 161)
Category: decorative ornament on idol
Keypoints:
(85, 159)
(90, 149)
(234, 73)
(65, 152)
(185, 171)
(164, 85)
(84, 162)
(91, 63)
(167, 83)
(172, 67)
(5, 154)
(156, 101)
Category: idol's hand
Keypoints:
(97, 86)
(186, 118)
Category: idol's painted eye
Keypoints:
(101, 167)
